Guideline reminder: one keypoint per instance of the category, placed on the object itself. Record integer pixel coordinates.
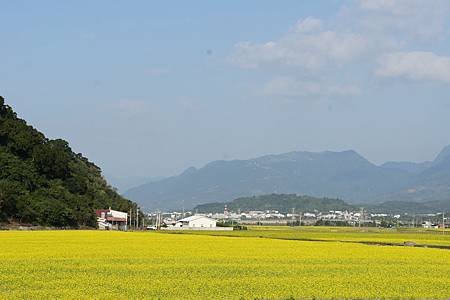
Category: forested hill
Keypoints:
(282, 202)
(44, 182)
(286, 202)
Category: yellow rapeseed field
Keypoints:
(113, 265)
(344, 234)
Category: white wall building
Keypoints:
(111, 219)
(198, 222)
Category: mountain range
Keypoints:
(345, 175)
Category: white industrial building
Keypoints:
(197, 221)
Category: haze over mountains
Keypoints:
(122, 184)
(345, 175)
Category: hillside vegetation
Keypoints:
(283, 203)
(44, 182)
(286, 202)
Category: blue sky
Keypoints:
(147, 88)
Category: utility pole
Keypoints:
(137, 218)
(130, 218)
(183, 210)
(361, 216)
(443, 222)
(293, 217)
(158, 220)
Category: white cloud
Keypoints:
(338, 55)
(415, 65)
(397, 7)
(405, 7)
(365, 28)
(309, 24)
(290, 87)
(307, 46)
(413, 19)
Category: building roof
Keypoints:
(196, 217)
(116, 219)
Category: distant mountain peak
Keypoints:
(444, 155)
(308, 156)
(336, 174)
(348, 153)
(189, 170)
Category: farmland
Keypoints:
(430, 237)
(95, 264)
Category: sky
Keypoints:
(150, 88)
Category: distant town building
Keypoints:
(428, 224)
(108, 219)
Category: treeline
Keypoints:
(281, 202)
(44, 182)
(285, 202)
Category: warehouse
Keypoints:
(197, 221)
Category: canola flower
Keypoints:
(343, 234)
(102, 265)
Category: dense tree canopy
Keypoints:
(281, 202)
(44, 182)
